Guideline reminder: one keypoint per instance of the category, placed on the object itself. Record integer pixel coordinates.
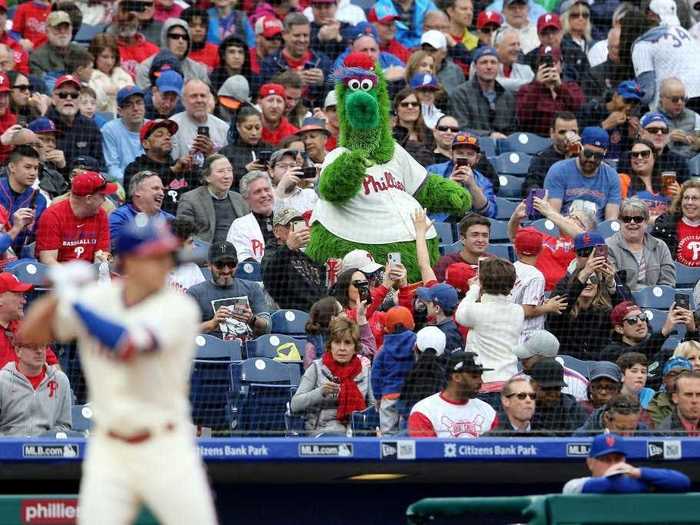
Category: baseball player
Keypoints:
(136, 341)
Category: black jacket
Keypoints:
(539, 166)
(665, 229)
(83, 137)
(292, 279)
(649, 347)
(565, 417)
(330, 49)
(239, 154)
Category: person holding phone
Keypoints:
(290, 181)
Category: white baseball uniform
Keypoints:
(147, 394)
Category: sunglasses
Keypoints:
(676, 100)
(447, 128)
(592, 279)
(637, 219)
(409, 104)
(590, 154)
(635, 319)
(580, 15)
(522, 395)
(23, 87)
(584, 252)
(178, 36)
(64, 96)
(657, 131)
(644, 154)
(220, 265)
(360, 284)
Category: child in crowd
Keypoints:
(428, 373)
(442, 301)
(87, 105)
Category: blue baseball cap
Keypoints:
(588, 240)
(482, 52)
(444, 296)
(424, 81)
(170, 81)
(424, 294)
(652, 117)
(676, 362)
(127, 92)
(42, 125)
(352, 33)
(143, 236)
(604, 444)
(595, 136)
(630, 90)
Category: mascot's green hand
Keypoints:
(342, 179)
(444, 195)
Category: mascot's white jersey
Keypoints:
(381, 212)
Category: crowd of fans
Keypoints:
(217, 116)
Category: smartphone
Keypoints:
(203, 130)
(601, 251)
(298, 226)
(394, 258)
(461, 162)
(532, 213)
(309, 172)
(32, 200)
(264, 156)
(682, 300)
(547, 60)
(363, 292)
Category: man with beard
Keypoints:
(51, 57)
(455, 412)
(121, 143)
(231, 308)
(134, 48)
(585, 182)
(272, 101)
(156, 140)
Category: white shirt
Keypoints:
(185, 276)
(346, 12)
(529, 39)
(301, 199)
(151, 389)
(187, 131)
(246, 236)
(496, 325)
(598, 53)
(529, 290)
(454, 420)
(381, 211)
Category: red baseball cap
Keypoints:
(271, 89)
(91, 182)
(268, 26)
(621, 310)
(381, 18)
(398, 315)
(4, 83)
(10, 283)
(3, 5)
(548, 20)
(152, 125)
(489, 17)
(67, 79)
(528, 241)
(458, 275)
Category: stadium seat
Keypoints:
(512, 163)
(279, 347)
(657, 297)
(608, 228)
(82, 418)
(445, 232)
(671, 343)
(505, 208)
(365, 422)
(210, 347)
(30, 271)
(656, 319)
(289, 322)
(499, 232)
(87, 32)
(504, 251)
(250, 270)
(511, 187)
(686, 276)
(545, 226)
(694, 166)
(451, 248)
(260, 391)
(578, 365)
(522, 142)
(488, 147)
(106, 115)
(200, 252)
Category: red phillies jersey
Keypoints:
(554, 259)
(208, 55)
(688, 244)
(274, 136)
(30, 22)
(74, 238)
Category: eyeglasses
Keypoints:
(580, 15)
(592, 279)
(635, 319)
(590, 154)
(445, 129)
(637, 219)
(178, 36)
(644, 154)
(23, 87)
(690, 198)
(410, 105)
(522, 395)
(657, 131)
(676, 100)
(220, 265)
(64, 96)
(286, 166)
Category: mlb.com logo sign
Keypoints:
(59, 511)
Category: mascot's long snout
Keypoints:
(362, 110)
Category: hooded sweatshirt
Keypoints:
(393, 363)
(25, 411)
(190, 68)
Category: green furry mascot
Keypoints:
(370, 186)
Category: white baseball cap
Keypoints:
(666, 9)
(362, 260)
(431, 337)
(539, 342)
(434, 38)
(331, 99)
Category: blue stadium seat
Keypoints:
(656, 319)
(657, 297)
(200, 251)
(106, 115)
(250, 270)
(608, 228)
(512, 163)
(260, 391)
(545, 226)
(578, 365)
(279, 347)
(451, 248)
(87, 32)
(694, 166)
(82, 418)
(523, 142)
(30, 271)
(499, 232)
(504, 251)
(511, 187)
(505, 208)
(686, 276)
(365, 422)
(289, 322)
(671, 343)
(210, 347)
(445, 232)
(488, 147)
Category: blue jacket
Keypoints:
(119, 218)
(237, 19)
(652, 480)
(393, 363)
(13, 203)
(444, 170)
(408, 36)
(454, 340)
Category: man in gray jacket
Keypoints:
(482, 105)
(34, 398)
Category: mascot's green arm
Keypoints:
(342, 179)
(438, 194)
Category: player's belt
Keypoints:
(140, 437)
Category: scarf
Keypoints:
(350, 399)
